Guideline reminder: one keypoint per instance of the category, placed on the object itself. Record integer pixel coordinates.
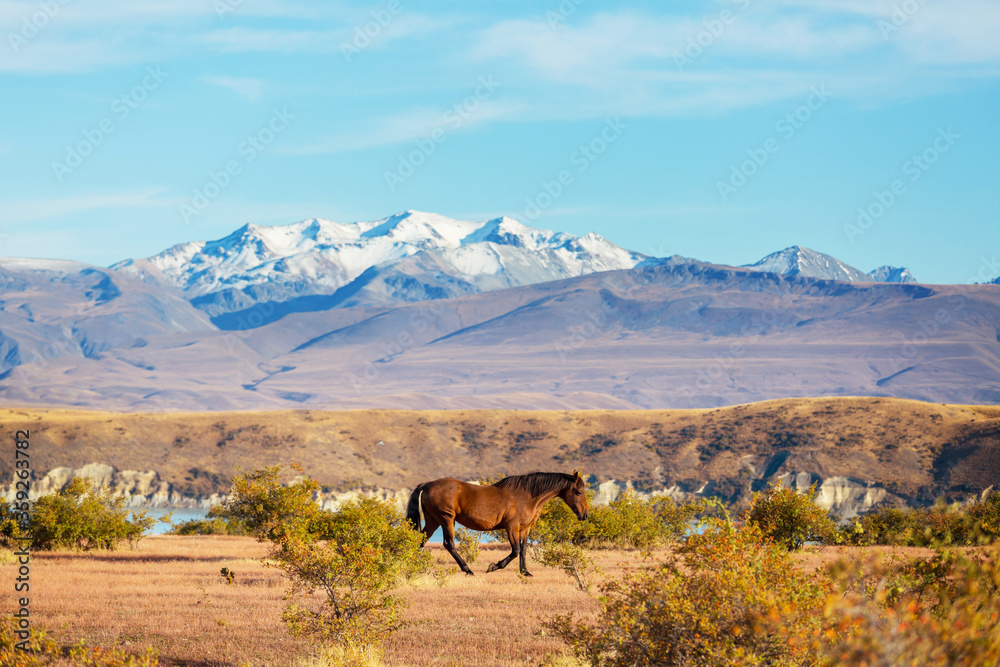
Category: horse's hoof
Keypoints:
(470, 573)
(492, 567)
(526, 573)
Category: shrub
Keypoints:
(467, 543)
(626, 523)
(941, 610)
(355, 556)
(729, 597)
(974, 524)
(571, 559)
(42, 650)
(77, 516)
(884, 525)
(790, 518)
(213, 524)
(10, 528)
(985, 517)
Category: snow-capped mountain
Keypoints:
(411, 255)
(799, 261)
(892, 274)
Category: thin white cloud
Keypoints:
(246, 39)
(610, 42)
(242, 39)
(406, 127)
(637, 64)
(962, 31)
(245, 86)
(31, 210)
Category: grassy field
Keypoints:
(169, 594)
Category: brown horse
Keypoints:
(513, 503)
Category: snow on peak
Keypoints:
(892, 274)
(318, 255)
(427, 229)
(800, 261)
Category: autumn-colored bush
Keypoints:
(940, 610)
(355, 556)
(78, 516)
(790, 518)
(730, 596)
(962, 525)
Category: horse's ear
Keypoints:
(576, 475)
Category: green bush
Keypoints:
(10, 529)
(974, 524)
(626, 523)
(790, 518)
(571, 559)
(729, 597)
(355, 556)
(213, 524)
(467, 543)
(884, 525)
(78, 516)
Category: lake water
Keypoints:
(180, 516)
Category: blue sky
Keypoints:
(716, 130)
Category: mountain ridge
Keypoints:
(480, 314)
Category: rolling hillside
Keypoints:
(917, 451)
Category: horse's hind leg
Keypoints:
(512, 537)
(429, 527)
(448, 528)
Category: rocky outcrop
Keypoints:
(143, 489)
(843, 497)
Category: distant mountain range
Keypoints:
(412, 256)
(420, 310)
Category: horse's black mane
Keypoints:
(536, 483)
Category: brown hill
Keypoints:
(917, 450)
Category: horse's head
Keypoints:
(575, 495)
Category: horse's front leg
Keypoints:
(512, 538)
(522, 548)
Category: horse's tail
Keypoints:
(413, 507)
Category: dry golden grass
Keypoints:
(169, 594)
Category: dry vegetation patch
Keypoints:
(169, 594)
